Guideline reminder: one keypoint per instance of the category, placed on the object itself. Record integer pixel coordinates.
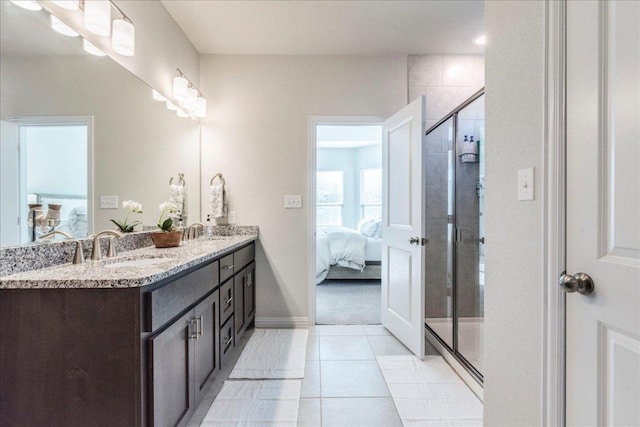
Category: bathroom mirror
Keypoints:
(55, 93)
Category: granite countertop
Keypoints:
(129, 269)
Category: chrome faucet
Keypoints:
(96, 252)
(53, 233)
(191, 233)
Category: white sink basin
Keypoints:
(143, 261)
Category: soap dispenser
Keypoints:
(208, 232)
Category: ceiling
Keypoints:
(328, 27)
(348, 136)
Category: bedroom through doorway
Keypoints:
(348, 210)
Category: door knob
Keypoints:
(414, 241)
(580, 282)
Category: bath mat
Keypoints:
(272, 354)
(429, 393)
(255, 404)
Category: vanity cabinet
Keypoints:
(182, 358)
(138, 356)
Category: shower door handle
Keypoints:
(580, 282)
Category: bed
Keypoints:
(345, 253)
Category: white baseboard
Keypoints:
(282, 322)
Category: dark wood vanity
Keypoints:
(139, 356)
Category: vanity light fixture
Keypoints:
(191, 99)
(481, 39)
(60, 27)
(180, 88)
(27, 4)
(91, 48)
(67, 4)
(122, 40)
(157, 96)
(97, 17)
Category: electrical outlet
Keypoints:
(108, 202)
(232, 217)
(293, 202)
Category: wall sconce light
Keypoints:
(97, 17)
(192, 102)
(123, 38)
(27, 4)
(91, 48)
(60, 27)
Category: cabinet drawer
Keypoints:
(244, 256)
(226, 301)
(226, 267)
(166, 302)
(226, 340)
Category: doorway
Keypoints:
(51, 175)
(347, 193)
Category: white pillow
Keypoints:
(370, 228)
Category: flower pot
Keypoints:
(169, 239)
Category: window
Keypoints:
(371, 193)
(330, 197)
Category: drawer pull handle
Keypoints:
(200, 325)
(228, 341)
(227, 267)
(228, 302)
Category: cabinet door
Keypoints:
(207, 342)
(250, 293)
(171, 366)
(238, 298)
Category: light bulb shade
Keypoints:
(171, 106)
(27, 4)
(180, 86)
(201, 108)
(157, 96)
(91, 48)
(192, 99)
(60, 27)
(181, 113)
(67, 4)
(123, 38)
(97, 17)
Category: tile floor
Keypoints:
(344, 385)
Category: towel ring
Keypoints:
(181, 180)
(218, 175)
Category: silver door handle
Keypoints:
(228, 341)
(228, 302)
(227, 267)
(580, 282)
(414, 241)
(193, 336)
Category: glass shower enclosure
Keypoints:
(454, 159)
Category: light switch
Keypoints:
(108, 202)
(293, 202)
(526, 184)
(232, 217)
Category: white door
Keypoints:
(603, 213)
(402, 226)
(9, 227)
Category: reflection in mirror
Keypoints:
(133, 144)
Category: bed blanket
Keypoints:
(345, 248)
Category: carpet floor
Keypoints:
(348, 302)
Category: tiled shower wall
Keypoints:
(447, 81)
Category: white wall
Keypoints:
(514, 249)
(256, 133)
